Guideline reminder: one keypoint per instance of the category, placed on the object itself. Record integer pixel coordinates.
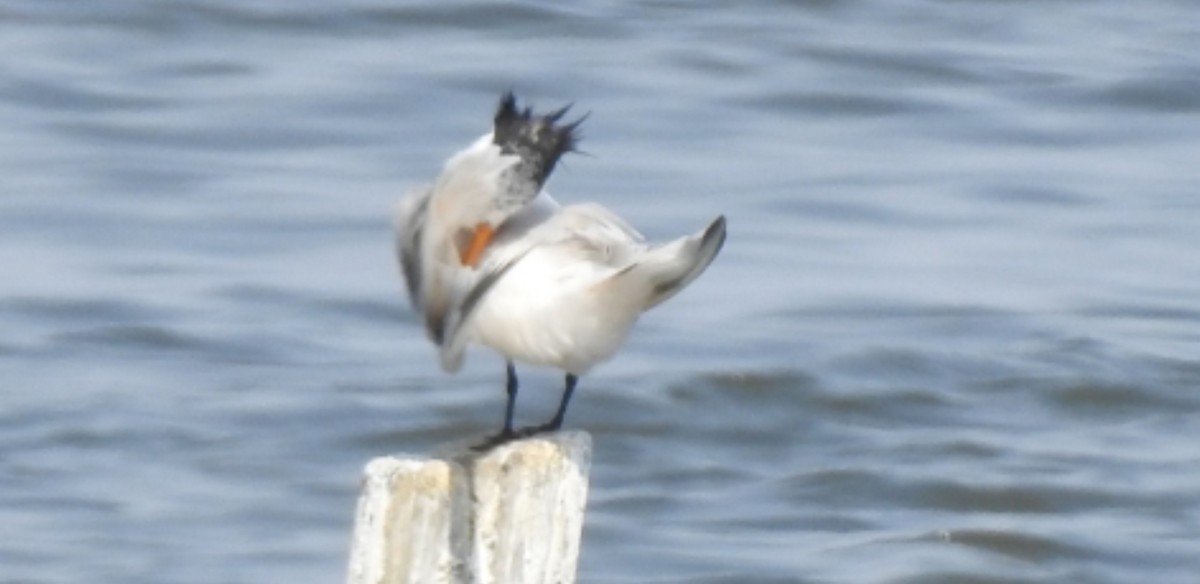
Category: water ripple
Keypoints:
(951, 338)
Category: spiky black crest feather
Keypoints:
(536, 139)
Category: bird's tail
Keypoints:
(666, 269)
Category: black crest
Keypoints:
(537, 139)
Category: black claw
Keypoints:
(503, 437)
(528, 431)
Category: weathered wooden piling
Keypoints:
(511, 515)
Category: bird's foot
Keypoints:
(504, 436)
(551, 426)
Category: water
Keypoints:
(952, 337)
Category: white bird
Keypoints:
(488, 257)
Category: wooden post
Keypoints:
(512, 515)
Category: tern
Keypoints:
(488, 257)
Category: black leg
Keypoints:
(511, 388)
(556, 422)
(507, 433)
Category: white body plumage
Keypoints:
(490, 258)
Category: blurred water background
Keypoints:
(953, 335)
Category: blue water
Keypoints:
(954, 334)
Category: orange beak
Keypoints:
(479, 240)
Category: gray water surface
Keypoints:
(953, 336)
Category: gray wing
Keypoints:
(645, 274)
(410, 225)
